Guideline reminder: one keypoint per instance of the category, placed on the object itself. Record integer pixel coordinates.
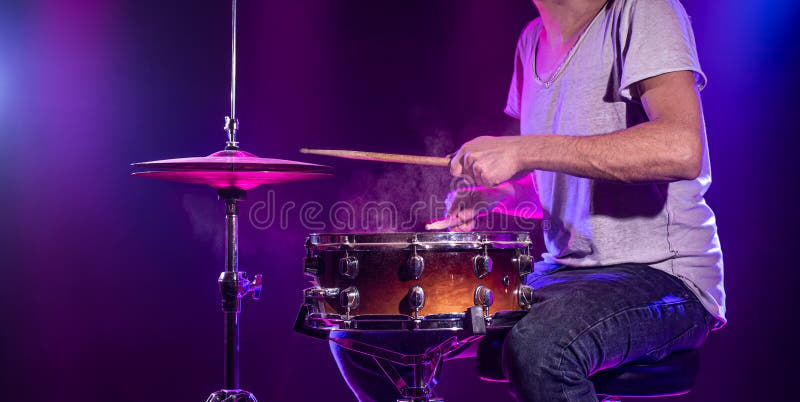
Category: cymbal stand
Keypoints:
(233, 285)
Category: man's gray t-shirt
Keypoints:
(589, 222)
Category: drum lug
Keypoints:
(311, 262)
(525, 297)
(483, 297)
(348, 267)
(524, 264)
(350, 300)
(415, 265)
(416, 299)
(312, 265)
(482, 265)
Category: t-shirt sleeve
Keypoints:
(658, 40)
(514, 101)
(513, 104)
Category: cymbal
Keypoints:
(221, 179)
(232, 161)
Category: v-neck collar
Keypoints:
(563, 66)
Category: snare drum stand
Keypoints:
(422, 353)
(233, 286)
(424, 365)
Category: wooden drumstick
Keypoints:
(381, 157)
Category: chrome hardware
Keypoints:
(256, 285)
(524, 264)
(314, 297)
(483, 296)
(348, 267)
(235, 286)
(525, 296)
(416, 299)
(321, 321)
(350, 299)
(232, 127)
(506, 280)
(428, 241)
(312, 265)
(415, 265)
(482, 265)
(321, 293)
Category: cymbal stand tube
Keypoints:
(231, 302)
(233, 286)
(231, 124)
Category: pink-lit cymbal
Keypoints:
(232, 161)
(221, 179)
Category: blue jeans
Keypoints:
(583, 320)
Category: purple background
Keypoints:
(109, 282)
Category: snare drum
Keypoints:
(414, 280)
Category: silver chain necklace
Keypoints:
(561, 66)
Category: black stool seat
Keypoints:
(673, 375)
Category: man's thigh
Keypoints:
(603, 317)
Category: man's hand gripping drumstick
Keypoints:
(502, 185)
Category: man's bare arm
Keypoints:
(668, 147)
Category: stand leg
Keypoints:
(237, 395)
(420, 388)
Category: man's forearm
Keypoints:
(649, 152)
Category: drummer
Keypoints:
(607, 94)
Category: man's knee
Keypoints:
(543, 364)
(545, 345)
(529, 350)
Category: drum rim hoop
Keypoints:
(425, 240)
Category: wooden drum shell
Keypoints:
(449, 280)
